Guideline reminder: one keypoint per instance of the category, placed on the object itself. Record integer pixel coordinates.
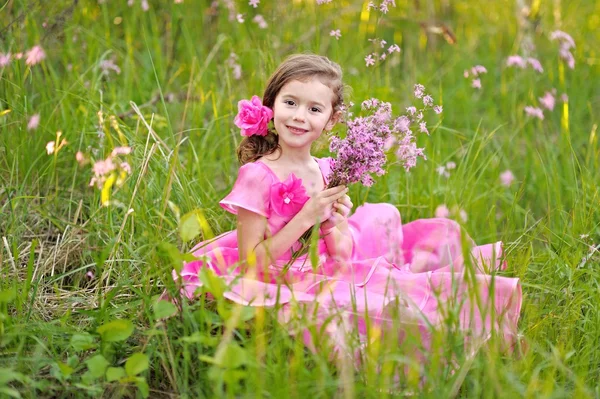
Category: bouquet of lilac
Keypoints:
(363, 151)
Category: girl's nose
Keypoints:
(299, 115)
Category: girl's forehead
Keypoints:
(309, 90)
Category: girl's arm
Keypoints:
(251, 227)
(339, 241)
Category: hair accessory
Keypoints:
(253, 117)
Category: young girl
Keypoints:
(369, 263)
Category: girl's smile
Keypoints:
(302, 110)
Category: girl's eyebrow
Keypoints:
(296, 98)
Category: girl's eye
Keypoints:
(289, 102)
(315, 109)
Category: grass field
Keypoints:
(79, 280)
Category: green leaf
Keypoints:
(137, 363)
(8, 295)
(143, 387)
(114, 373)
(13, 393)
(97, 365)
(231, 356)
(117, 330)
(65, 369)
(82, 342)
(212, 283)
(164, 309)
(175, 209)
(8, 375)
(192, 224)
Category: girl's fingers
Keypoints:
(342, 209)
(333, 194)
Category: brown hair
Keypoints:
(296, 67)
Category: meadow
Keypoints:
(84, 256)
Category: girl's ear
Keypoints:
(335, 117)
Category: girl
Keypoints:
(370, 265)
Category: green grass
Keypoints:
(173, 61)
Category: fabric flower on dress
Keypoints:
(288, 197)
(253, 117)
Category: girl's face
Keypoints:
(302, 111)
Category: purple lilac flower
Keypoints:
(362, 152)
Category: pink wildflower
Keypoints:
(441, 170)
(463, 215)
(476, 83)
(80, 158)
(121, 151)
(507, 178)
(450, 165)
(240, 18)
(260, 21)
(369, 60)
(336, 33)
(437, 109)
(534, 111)
(233, 64)
(442, 211)
(567, 56)
(547, 101)
(466, 74)
(145, 5)
(35, 55)
(254, 3)
(104, 167)
(478, 69)
(427, 101)
(516, 60)
(535, 64)
(423, 127)
(419, 90)
(109, 65)
(18, 56)
(565, 39)
(564, 97)
(90, 275)
(389, 143)
(393, 48)
(34, 121)
(126, 167)
(411, 110)
(4, 59)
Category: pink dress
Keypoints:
(418, 267)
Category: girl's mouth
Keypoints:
(296, 130)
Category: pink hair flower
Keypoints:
(288, 197)
(253, 117)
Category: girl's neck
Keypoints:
(295, 156)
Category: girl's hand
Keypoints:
(320, 206)
(341, 208)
